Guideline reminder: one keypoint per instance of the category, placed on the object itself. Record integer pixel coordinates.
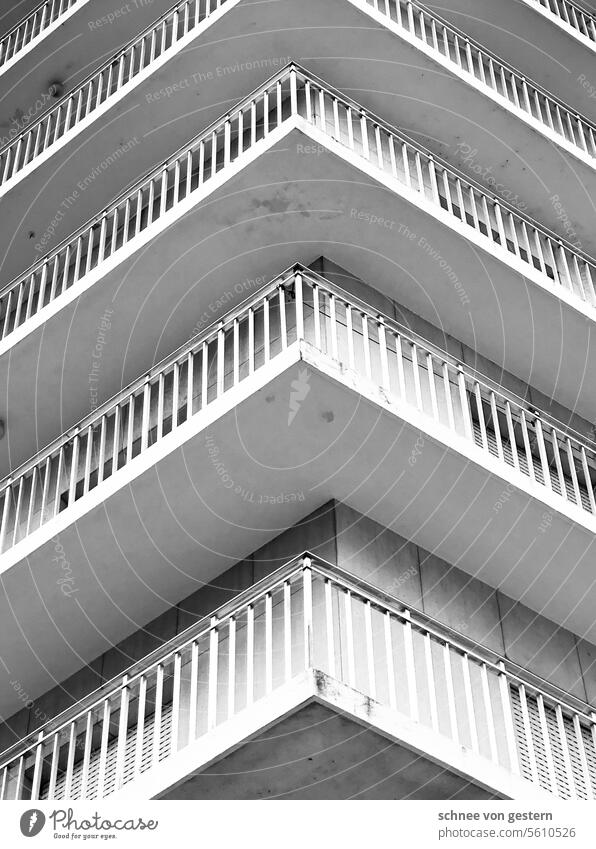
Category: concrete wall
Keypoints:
(340, 535)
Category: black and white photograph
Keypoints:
(298, 422)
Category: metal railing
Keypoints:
(176, 23)
(161, 36)
(23, 33)
(572, 14)
(292, 93)
(487, 68)
(306, 615)
(297, 306)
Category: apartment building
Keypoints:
(297, 329)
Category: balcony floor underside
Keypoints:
(316, 753)
(285, 206)
(237, 474)
(238, 52)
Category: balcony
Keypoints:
(552, 41)
(305, 392)
(472, 258)
(308, 633)
(58, 42)
(114, 108)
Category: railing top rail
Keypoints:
(306, 76)
(198, 339)
(252, 595)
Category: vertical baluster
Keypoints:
(299, 306)
(490, 719)
(573, 473)
(430, 682)
(308, 612)
(266, 330)
(542, 450)
(53, 766)
(366, 347)
(288, 630)
(453, 729)
(329, 627)
(86, 754)
(385, 383)
(87, 467)
(588, 480)
(350, 638)
(511, 434)
(102, 449)
(548, 754)
(370, 657)
(36, 781)
(389, 660)
(568, 771)
(508, 720)
(231, 666)
(213, 664)
(526, 439)
(470, 711)
(416, 374)
(579, 741)
(401, 381)
(410, 667)
(159, 677)
(17, 515)
(282, 317)
(432, 386)
(130, 429)
(268, 643)
(72, 740)
(140, 729)
(122, 732)
(448, 397)
(554, 439)
(250, 651)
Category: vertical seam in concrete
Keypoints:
(500, 615)
(581, 669)
(418, 560)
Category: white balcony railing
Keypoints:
(36, 22)
(570, 13)
(298, 306)
(307, 615)
(164, 35)
(290, 94)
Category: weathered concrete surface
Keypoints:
(318, 754)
